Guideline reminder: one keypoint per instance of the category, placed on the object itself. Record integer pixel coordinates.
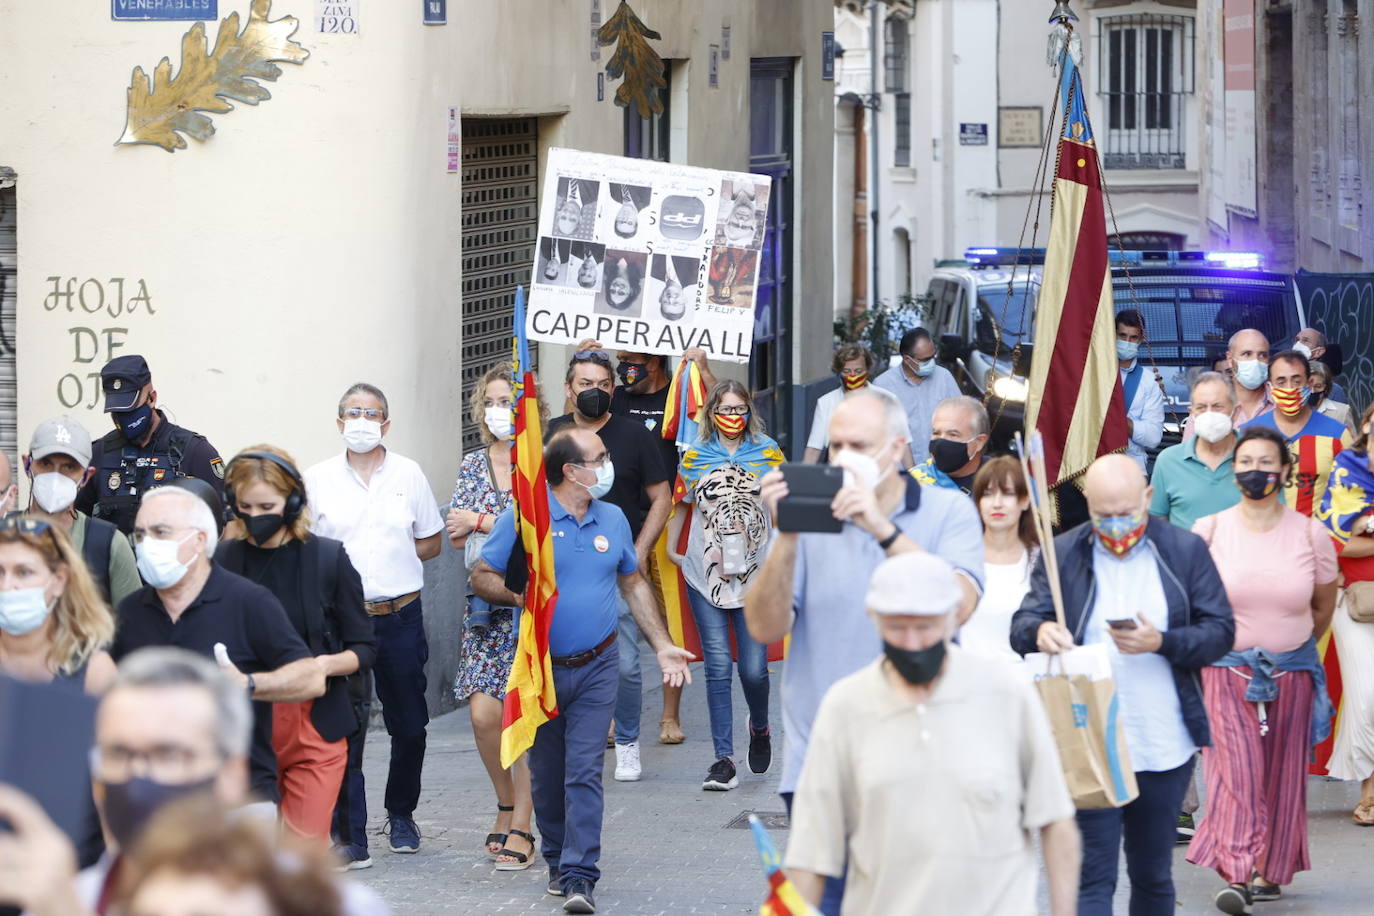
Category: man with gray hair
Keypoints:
(173, 724)
(193, 604)
(959, 440)
(798, 589)
(379, 504)
(927, 734)
(1195, 477)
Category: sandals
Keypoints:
(522, 860)
(497, 839)
(670, 732)
(1363, 815)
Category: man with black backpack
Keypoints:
(58, 464)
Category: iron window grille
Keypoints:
(901, 150)
(1145, 71)
(895, 54)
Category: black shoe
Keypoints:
(555, 885)
(1234, 899)
(721, 777)
(760, 750)
(579, 897)
(1185, 829)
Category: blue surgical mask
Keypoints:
(1126, 350)
(1251, 373)
(23, 610)
(922, 367)
(605, 477)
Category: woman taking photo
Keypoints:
(730, 532)
(1266, 699)
(54, 627)
(1348, 512)
(1010, 548)
(269, 542)
(481, 494)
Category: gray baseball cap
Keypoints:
(61, 436)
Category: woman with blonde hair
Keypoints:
(729, 535)
(482, 493)
(54, 626)
(269, 541)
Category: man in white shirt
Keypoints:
(1144, 396)
(380, 505)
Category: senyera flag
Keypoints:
(783, 897)
(1075, 398)
(530, 699)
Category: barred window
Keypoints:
(1145, 70)
(901, 110)
(895, 57)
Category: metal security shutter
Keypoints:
(500, 226)
(9, 275)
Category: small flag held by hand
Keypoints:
(783, 897)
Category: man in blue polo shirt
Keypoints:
(1195, 477)
(594, 560)
(814, 585)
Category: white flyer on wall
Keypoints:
(647, 256)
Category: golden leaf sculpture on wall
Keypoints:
(206, 82)
(635, 60)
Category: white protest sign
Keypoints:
(647, 256)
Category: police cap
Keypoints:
(123, 378)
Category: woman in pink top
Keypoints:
(1266, 700)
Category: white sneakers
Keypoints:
(627, 768)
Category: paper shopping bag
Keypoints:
(1085, 717)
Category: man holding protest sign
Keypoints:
(1147, 590)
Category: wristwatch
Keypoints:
(891, 539)
(252, 686)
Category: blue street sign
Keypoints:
(436, 12)
(163, 10)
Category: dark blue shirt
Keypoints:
(588, 558)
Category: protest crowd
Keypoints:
(235, 620)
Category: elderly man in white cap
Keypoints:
(928, 769)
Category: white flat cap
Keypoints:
(916, 584)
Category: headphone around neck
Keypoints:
(295, 500)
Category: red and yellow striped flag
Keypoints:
(530, 699)
(1075, 398)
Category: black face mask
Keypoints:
(630, 373)
(135, 423)
(593, 403)
(1257, 484)
(916, 666)
(130, 805)
(949, 456)
(262, 527)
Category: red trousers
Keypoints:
(309, 770)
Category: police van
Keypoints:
(981, 314)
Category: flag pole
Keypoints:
(1039, 491)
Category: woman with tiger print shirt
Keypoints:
(729, 535)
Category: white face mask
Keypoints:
(53, 491)
(1212, 426)
(1303, 348)
(605, 477)
(158, 563)
(362, 435)
(498, 420)
(23, 610)
(860, 470)
(1251, 373)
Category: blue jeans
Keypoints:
(565, 768)
(402, 651)
(630, 689)
(1149, 825)
(714, 625)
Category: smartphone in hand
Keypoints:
(1125, 623)
(811, 488)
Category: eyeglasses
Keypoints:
(372, 413)
(172, 764)
(852, 372)
(740, 411)
(600, 356)
(30, 525)
(593, 463)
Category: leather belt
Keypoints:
(585, 658)
(389, 606)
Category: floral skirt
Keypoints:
(486, 656)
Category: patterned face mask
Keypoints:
(1119, 533)
(854, 382)
(731, 425)
(1289, 401)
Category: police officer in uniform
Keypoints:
(145, 450)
